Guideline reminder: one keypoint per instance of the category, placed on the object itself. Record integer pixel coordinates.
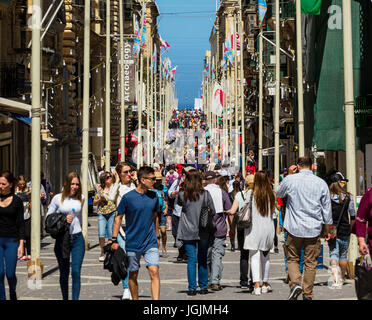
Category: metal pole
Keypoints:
(260, 102)
(147, 102)
(242, 86)
(122, 97)
(236, 136)
(277, 94)
(35, 131)
(140, 107)
(300, 96)
(85, 146)
(108, 90)
(349, 115)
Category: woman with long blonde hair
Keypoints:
(70, 203)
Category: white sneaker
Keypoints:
(102, 258)
(126, 295)
(257, 291)
(266, 289)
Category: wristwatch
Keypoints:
(158, 237)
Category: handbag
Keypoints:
(363, 278)
(333, 228)
(243, 218)
(206, 221)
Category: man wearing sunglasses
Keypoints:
(140, 207)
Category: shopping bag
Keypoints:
(363, 278)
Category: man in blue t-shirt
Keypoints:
(141, 207)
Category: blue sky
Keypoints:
(186, 25)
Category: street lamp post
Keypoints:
(85, 134)
(277, 94)
(108, 90)
(349, 115)
(300, 94)
(35, 132)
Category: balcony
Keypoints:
(12, 80)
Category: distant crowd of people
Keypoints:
(136, 208)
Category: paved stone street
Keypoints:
(97, 285)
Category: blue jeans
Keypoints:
(301, 259)
(215, 254)
(197, 252)
(338, 248)
(77, 256)
(106, 224)
(121, 242)
(8, 264)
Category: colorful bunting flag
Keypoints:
(262, 8)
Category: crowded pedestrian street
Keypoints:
(215, 151)
(96, 282)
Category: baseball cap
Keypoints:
(250, 178)
(210, 175)
(158, 175)
(187, 169)
(156, 165)
(338, 176)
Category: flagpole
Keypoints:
(140, 104)
(85, 142)
(122, 97)
(147, 102)
(277, 95)
(260, 101)
(242, 87)
(300, 95)
(236, 136)
(107, 90)
(150, 147)
(349, 116)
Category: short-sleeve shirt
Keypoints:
(108, 207)
(139, 213)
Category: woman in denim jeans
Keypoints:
(106, 200)
(70, 203)
(192, 199)
(338, 248)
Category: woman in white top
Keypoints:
(238, 204)
(123, 176)
(259, 238)
(70, 203)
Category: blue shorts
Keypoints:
(162, 220)
(106, 224)
(151, 258)
(338, 249)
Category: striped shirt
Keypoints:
(308, 204)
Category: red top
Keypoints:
(280, 202)
(364, 215)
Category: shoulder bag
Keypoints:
(243, 218)
(206, 221)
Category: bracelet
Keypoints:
(158, 237)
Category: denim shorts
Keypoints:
(338, 249)
(106, 224)
(162, 220)
(151, 258)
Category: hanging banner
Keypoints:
(217, 100)
(129, 74)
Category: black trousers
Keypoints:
(244, 257)
(175, 222)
